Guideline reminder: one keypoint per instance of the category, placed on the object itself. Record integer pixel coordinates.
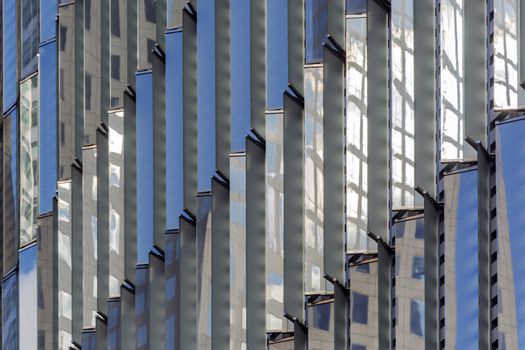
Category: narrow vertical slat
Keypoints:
(258, 65)
(431, 237)
(384, 297)
(127, 316)
(77, 252)
(156, 308)
(296, 44)
(102, 166)
(188, 285)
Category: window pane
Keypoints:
(29, 36)
(316, 29)
(276, 52)
(48, 12)
(417, 317)
(9, 61)
(363, 307)
(28, 298)
(10, 313)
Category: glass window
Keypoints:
(9, 62)
(28, 298)
(418, 268)
(89, 340)
(321, 326)
(64, 264)
(174, 13)
(10, 188)
(144, 165)
(114, 325)
(48, 12)
(354, 7)
(119, 51)
(417, 317)
(147, 31)
(276, 52)
(29, 36)
(316, 29)
(172, 255)
(141, 307)
(359, 308)
(363, 307)
(10, 312)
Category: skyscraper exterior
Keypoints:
(262, 174)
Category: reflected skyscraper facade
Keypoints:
(262, 174)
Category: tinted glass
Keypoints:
(10, 188)
(174, 13)
(316, 29)
(418, 267)
(89, 340)
(48, 126)
(141, 308)
(353, 7)
(144, 166)
(9, 62)
(510, 160)
(29, 35)
(10, 313)
(119, 51)
(171, 268)
(174, 130)
(321, 326)
(206, 91)
(146, 31)
(48, 12)
(417, 318)
(363, 307)
(28, 298)
(461, 260)
(114, 325)
(29, 144)
(276, 52)
(240, 73)
(237, 250)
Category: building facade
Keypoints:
(262, 174)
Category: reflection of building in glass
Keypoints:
(265, 174)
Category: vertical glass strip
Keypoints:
(118, 61)
(64, 266)
(237, 251)
(10, 327)
(313, 180)
(204, 217)
(274, 223)
(48, 13)
(174, 130)
(10, 190)
(510, 159)
(89, 338)
(461, 260)
(276, 52)
(116, 201)
(114, 325)
(174, 15)
(506, 53)
(356, 136)
(316, 29)
(29, 36)
(452, 80)
(240, 74)
(9, 52)
(363, 306)
(48, 127)
(402, 134)
(29, 149)
(206, 92)
(409, 289)
(141, 307)
(89, 235)
(28, 298)
(321, 325)
(147, 31)
(144, 166)
(172, 286)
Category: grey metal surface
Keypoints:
(188, 285)
(431, 237)
(156, 317)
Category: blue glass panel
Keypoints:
(206, 91)
(114, 325)
(417, 318)
(48, 13)
(10, 313)
(510, 165)
(141, 307)
(29, 36)
(355, 6)
(277, 52)
(240, 73)
(89, 340)
(174, 130)
(10, 188)
(316, 29)
(28, 298)
(461, 266)
(144, 165)
(171, 271)
(48, 126)
(359, 308)
(9, 62)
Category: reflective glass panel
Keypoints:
(64, 267)
(174, 16)
(29, 149)
(356, 136)
(276, 52)
(141, 308)
(313, 180)
(355, 6)
(274, 223)
(48, 12)
(116, 200)
(10, 189)
(363, 307)
(171, 268)
(114, 325)
(118, 64)
(174, 130)
(510, 160)
(506, 52)
(147, 19)
(461, 260)
(316, 29)
(452, 118)
(240, 73)
(9, 62)
(89, 340)
(144, 166)
(402, 137)
(48, 126)
(237, 251)
(206, 90)
(10, 313)
(28, 298)
(89, 235)
(321, 326)
(204, 218)
(29, 35)
(409, 288)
